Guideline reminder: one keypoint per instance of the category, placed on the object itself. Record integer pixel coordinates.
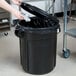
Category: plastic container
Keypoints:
(38, 40)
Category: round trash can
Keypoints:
(38, 39)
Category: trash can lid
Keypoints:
(34, 10)
(42, 22)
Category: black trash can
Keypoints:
(38, 39)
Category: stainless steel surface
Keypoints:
(65, 26)
(53, 7)
(49, 4)
(71, 32)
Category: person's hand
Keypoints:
(18, 14)
(18, 2)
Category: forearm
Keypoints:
(9, 8)
(6, 6)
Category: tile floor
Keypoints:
(10, 57)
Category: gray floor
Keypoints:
(10, 57)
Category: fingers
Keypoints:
(18, 14)
(17, 2)
(21, 17)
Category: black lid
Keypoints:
(34, 10)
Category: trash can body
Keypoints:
(38, 52)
